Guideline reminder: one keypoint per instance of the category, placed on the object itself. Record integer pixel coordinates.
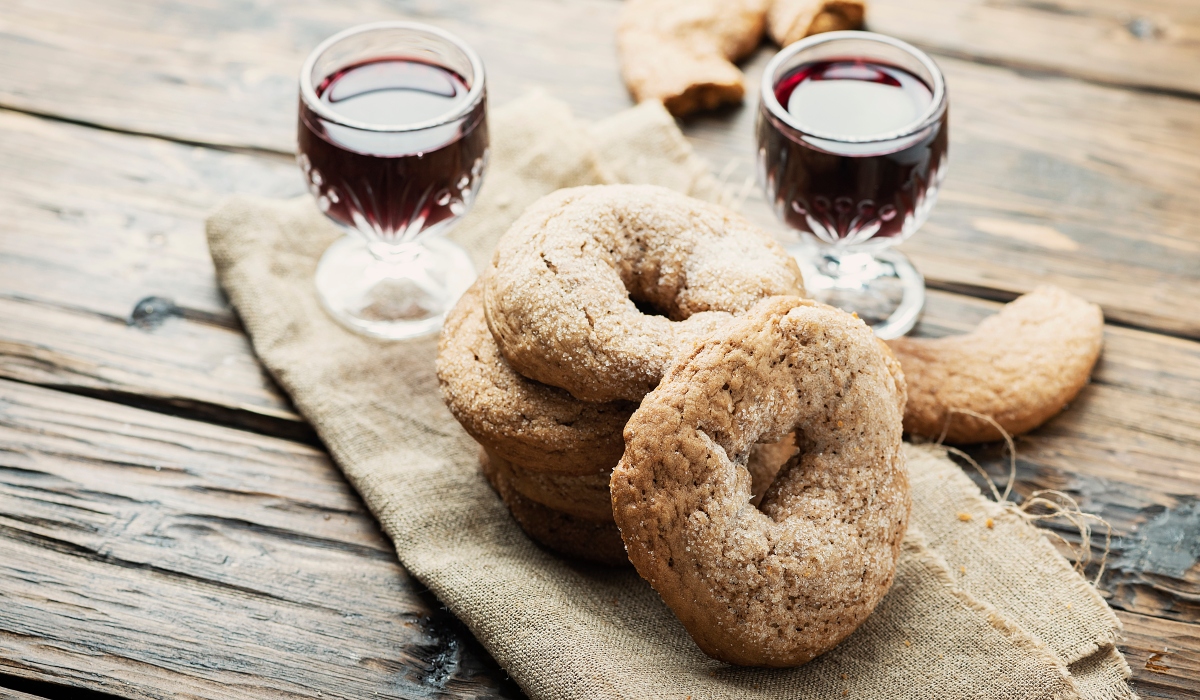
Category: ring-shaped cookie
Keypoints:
(779, 584)
(542, 428)
(563, 292)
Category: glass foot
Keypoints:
(392, 294)
(882, 286)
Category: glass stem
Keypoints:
(847, 268)
(403, 253)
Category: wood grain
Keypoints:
(1050, 178)
(149, 556)
(1148, 44)
(236, 85)
(1163, 655)
(84, 247)
(220, 72)
(184, 559)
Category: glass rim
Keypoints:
(927, 118)
(309, 94)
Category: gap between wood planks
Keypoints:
(274, 153)
(1004, 296)
(1031, 69)
(19, 688)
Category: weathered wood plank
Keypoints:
(1149, 44)
(1050, 178)
(246, 61)
(148, 556)
(83, 247)
(226, 73)
(1163, 655)
(179, 558)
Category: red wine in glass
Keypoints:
(852, 138)
(392, 185)
(393, 143)
(853, 191)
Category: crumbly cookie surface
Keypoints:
(568, 535)
(562, 293)
(682, 53)
(542, 428)
(1020, 367)
(778, 584)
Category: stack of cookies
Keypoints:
(529, 365)
(547, 454)
(628, 352)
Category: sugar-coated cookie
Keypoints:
(541, 427)
(563, 291)
(1020, 367)
(778, 584)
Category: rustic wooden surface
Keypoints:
(1050, 175)
(170, 527)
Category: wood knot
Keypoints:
(1143, 28)
(151, 312)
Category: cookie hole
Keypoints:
(647, 308)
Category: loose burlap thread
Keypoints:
(976, 611)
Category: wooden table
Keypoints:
(169, 527)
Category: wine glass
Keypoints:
(852, 142)
(393, 143)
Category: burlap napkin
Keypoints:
(976, 611)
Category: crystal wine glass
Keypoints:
(393, 143)
(852, 144)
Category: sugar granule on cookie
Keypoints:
(1019, 367)
(539, 427)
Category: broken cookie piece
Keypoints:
(682, 52)
(789, 21)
